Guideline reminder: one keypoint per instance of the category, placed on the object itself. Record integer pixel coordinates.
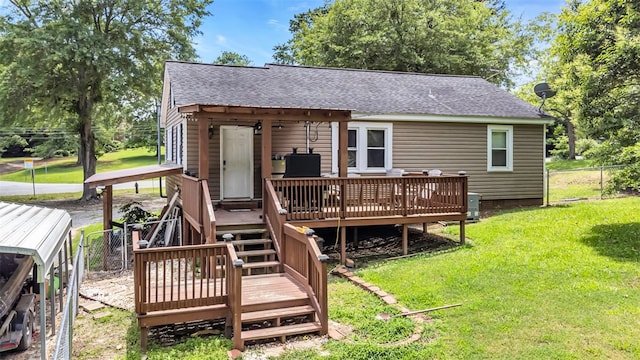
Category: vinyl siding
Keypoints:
(454, 147)
(173, 118)
(293, 134)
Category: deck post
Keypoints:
(405, 239)
(355, 237)
(462, 236)
(425, 228)
(343, 245)
(266, 165)
(203, 147)
(237, 306)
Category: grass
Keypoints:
(578, 184)
(550, 283)
(66, 171)
(560, 282)
(30, 199)
(556, 165)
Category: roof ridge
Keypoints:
(212, 64)
(267, 65)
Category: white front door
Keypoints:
(236, 158)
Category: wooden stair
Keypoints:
(275, 320)
(277, 306)
(255, 248)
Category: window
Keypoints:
(368, 147)
(499, 148)
(169, 145)
(174, 151)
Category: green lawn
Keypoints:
(561, 282)
(568, 164)
(66, 171)
(550, 283)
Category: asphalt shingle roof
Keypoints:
(364, 91)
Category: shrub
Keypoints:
(585, 147)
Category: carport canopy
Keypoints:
(125, 175)
(34, 231)
(110, 178)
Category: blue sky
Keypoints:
(254, 27)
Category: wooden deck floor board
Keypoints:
(256, 289)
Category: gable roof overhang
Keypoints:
(216, 112)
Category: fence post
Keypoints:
(601, 182)
(548, 179)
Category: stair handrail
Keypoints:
(234, 289)
(208, 215)
(275, 217)
(310, 270)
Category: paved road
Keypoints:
(23, 188)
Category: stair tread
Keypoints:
(277, 313)
(259, 264)
(255, 252)
(278, 331)
(251, 241)
(245, 231)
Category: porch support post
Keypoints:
(343, 128)
(405, 239)
(203, 147)
(462, 236)
(343, 245)
(107, 216)
(266, 155)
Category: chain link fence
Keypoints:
(64, 340)
(579, 184)
(111, 251)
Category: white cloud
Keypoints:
(221, 40)
(276, 24)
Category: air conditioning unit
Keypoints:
(473, 206)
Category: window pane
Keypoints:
(351, 158)
(499, 140)
(375, 138)
(375, 158)
(352, 138)
(498, 157)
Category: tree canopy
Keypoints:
(598, 47)
(448, 37)
(232, 58)
(75, 62)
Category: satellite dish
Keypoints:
(543, 90)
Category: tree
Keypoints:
(67, 58)
(232, 58)
(600, 39)
(447, 37)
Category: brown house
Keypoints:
(407, 121)
(297, 148)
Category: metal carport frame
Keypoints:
(41, 233)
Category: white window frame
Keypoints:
(508, 129)
(361, 161)
(168, 151)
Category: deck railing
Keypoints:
(324, 198)
(274, 217)
(303, 260)
(197, 206)
(172, 278)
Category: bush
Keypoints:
(561, 150)
(586, 147)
